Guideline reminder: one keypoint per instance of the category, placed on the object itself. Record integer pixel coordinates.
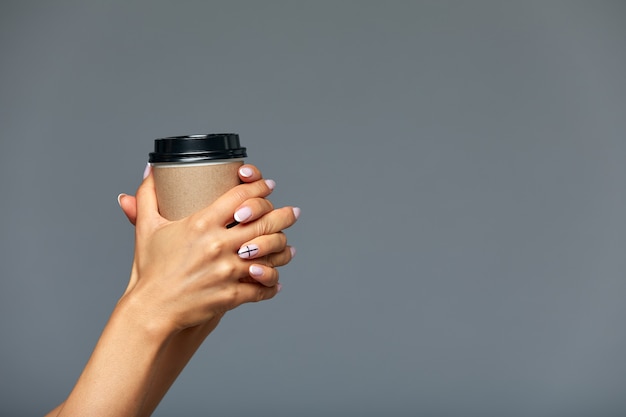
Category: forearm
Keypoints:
(175, 356)
(118, 376)
(173, 360)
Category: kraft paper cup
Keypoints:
(190, 172)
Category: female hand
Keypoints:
(247, 173)
(187, 272)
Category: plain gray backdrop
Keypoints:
(460, 168)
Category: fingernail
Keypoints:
(147, 170)
(119, 199)
(293, 251)
(243, 214)
(248, 251)
(256, 271)
(279, 287)
(271, 184)
(296, 212)
(246, 172)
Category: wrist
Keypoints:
(153, 323)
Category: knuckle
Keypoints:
(246, 191)
(270, 261)
(283, 258)
(260, 294)
(239, 193)
(280, 259)
(214, 247)
(231, 297)
(263, 227)
(282, 240)
(198, 224)
(273, 276)
(226, 270)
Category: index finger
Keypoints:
(249, 173)
(224, 207)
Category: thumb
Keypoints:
(147, 209)
(128, 203)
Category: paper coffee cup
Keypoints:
(190, 172)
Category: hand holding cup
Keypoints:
(189, 271)
(195, 190)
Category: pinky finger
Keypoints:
(254, 292)
(281, 258)
(263, 274)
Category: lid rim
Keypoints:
(193, 148)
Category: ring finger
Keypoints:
(263, 245)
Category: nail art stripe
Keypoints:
(248, 251)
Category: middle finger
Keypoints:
(272, 222)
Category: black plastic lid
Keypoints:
(197, 148)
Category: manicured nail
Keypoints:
(279, 287)
(243, 214)
(292, 250)
(246, 172)
(296, 212)
(119, 199)
(146, 171)
(256, 271)
(248, 251)
(271, 184)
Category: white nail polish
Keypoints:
(256, 271)
(119, 199)
(246, 172)
(248, 251)
(296, 212)
(243, 214)
(147, 170)
(270, 184)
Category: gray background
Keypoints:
(460, 166)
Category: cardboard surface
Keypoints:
(186, 189)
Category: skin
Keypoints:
(185, 276)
